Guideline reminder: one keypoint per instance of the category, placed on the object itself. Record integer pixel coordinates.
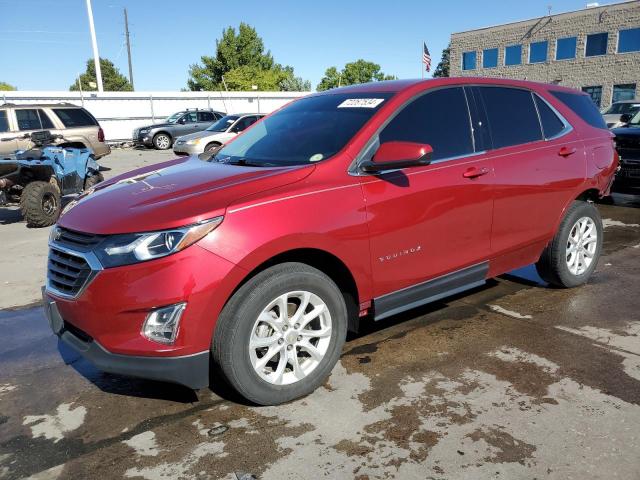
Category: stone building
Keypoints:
(596, 49)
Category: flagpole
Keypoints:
(421, 58)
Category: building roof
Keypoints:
(587, 9)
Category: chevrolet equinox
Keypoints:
(345, 206)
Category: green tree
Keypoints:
(112, 79)
(4, 86)
(360, 71)
(243, 62)
(442, 70)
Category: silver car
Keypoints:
(216, 135)
(613, 113)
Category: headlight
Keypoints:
(144, 130)
(138, 247)
(195, 141)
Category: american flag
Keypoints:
(426, 57)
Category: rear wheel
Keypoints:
(572, 256)
(40, 204)
(281, 334)
(162, 141)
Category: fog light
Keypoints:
(161, 325)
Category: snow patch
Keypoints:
(509, 313)
(144, 444)
(53, 427)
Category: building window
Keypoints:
(596, 44)
(469, 61)
(629, 40)
(626, 91)
(538, 52)
(566, 48)
(490, 58)
(513, 55)
(595, 92)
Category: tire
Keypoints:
(93, 180)
(40, 204)
(162, 141)
(212, 147)
(559, 265)
(238, 324)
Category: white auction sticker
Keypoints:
(361, 103)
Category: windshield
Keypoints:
(620, 108)
(174, 118)
(308, 130)
(223, 124)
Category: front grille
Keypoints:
(630, 172)
(67, 273)
(77, 240)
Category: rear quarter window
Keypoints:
(583, 106)
(75, 117)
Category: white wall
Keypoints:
(120, 112)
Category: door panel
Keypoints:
(535, 171)
(428, 221)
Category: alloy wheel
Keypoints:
(582, 245)
(290, 337)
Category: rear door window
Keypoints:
(582, 106)
(551, 124)
(28, 119)
(439, 118)
(512, 116)
(4, 121)
(75, 117)
(206, 117)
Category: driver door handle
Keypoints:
(474, 172)
(566, 151)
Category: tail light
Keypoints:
(100, 134)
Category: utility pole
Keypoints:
(94, 44)
(126, 34)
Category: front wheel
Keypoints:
(281, 334)
(571, 257)
(40, 204)
(162, 141)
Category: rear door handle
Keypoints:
(474, 172)
(566, 151)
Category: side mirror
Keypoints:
(395, 155)
(182, 121)
(626, 117)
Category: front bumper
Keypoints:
(191, 371)
(143, 139)
(182, 148)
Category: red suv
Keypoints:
(345, 206)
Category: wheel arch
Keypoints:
(586, 195)
(324, 261)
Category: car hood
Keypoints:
(201, 134)
(171, 194)
(157, 125)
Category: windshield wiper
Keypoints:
(244, 162)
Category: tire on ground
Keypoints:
(552, 265)
(32, 204)
(157, 138)
(229, 346)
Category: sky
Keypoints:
(44, 44)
